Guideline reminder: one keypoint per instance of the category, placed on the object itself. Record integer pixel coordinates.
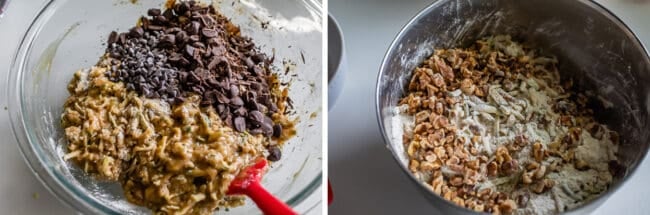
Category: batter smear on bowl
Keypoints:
(175, 109)
(493, 129)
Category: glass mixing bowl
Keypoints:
(68, 35)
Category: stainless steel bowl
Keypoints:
(593, 46)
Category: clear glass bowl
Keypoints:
(68, 35)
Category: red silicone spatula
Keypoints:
(248, 183)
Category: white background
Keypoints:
(365, 178)
(20, 191)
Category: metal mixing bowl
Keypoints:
(593, 46)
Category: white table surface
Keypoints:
(364, 176)
(20, 191)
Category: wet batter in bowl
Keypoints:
(492, 128)
(175, 109)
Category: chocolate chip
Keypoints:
(112, 38)
(240, 124)
(136, 32)
(181, 8)
(257, 116)
(237, 101)
(153, 12)
(234, 91)
(267, 126)
(277, 130)
(275, 154)
(255, 131)
(189, 50)
(160, 19)
(209, 32)
(168, 39)
(155, 27)
(194, 27)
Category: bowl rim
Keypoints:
(53, 181)
(334, 26)
(591, 4)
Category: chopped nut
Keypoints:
(479, 208)
(458, 201)
(532, 165)
(509, 167)
(452, 160)
(467, 86)
(421, 116)
(430, 156)
(538, 152)
(527, 177)
(422, 127)
(581, 164)
(542, 186)
(540, 172)
(502, 155)
(428, 166)
(412, 148)
(484, 192)
(492, 168)
(440, 108)
(413, 165)
(443, 68)
(456, 181)
(522, 200)
(473, 164)
(507, 206)
(438, 80)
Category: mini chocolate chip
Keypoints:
(234, 91)
(275, 154)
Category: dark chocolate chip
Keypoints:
(257, 116)
(277, 130)
(189, 50)
(237, 101)
(153, 12)
(112, 38)
(209, 32)
(275, 154)
(240, 124)
(155, 27)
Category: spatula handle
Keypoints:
(267, 202)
